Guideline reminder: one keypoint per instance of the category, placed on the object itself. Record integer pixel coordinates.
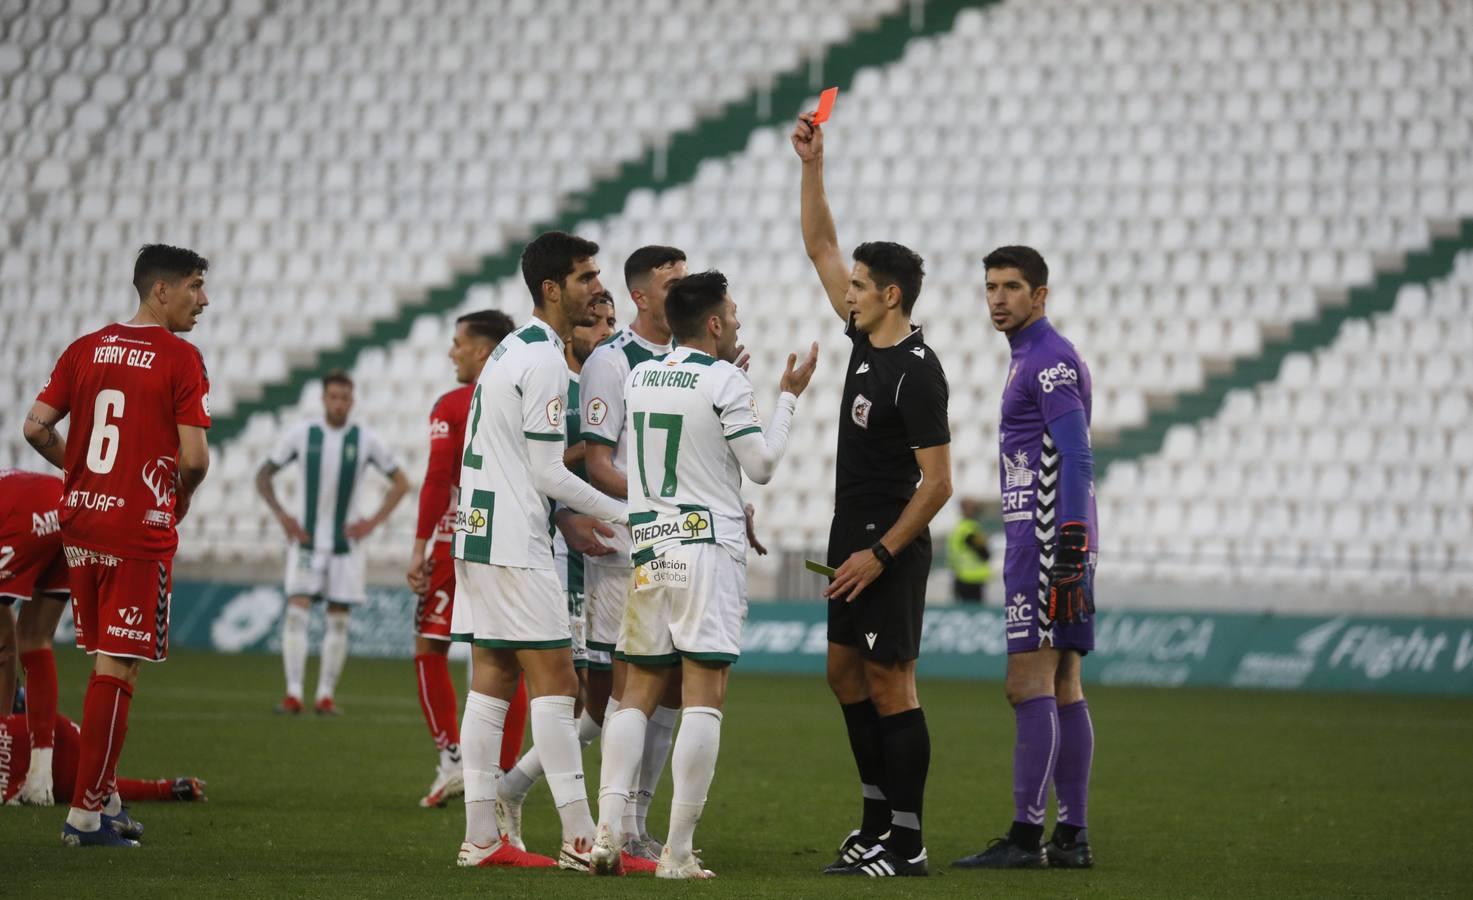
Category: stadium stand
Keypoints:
(1202, 177)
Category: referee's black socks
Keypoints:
(863, 724)
(907, 744)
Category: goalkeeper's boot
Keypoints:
(1069, 851)
(882, 862)
(1005, 853)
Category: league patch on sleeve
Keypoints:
(597, 411)
(555, 412)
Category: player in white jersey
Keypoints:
(692, 417)
(570, 564)
(508, 602)
(323, 561)
(648, 273)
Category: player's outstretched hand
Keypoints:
(583, 533)
(751, 513)
(188, 790)
(743, 358)
(357, 531)
(795, 380)
(294, 530)
(808, 139)
(857, 573)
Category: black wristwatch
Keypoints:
(882, 554)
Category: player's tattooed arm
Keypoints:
(41, 434)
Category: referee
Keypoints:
(893, 436)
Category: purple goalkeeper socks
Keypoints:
(1034, 756)
(1076, 751)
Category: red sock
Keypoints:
(437, 698)
(131, 789)
(104, 726)
(40, 666)
(515, 727)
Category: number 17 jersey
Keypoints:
(126, 388)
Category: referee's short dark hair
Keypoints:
(552, 256)
(1024, 259)
(692, 301)
(491, 324)
(161, 262)
(647, 259)
(891, 263)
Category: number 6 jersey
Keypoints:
(126, 388)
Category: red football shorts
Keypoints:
(121, 606)
(30, 565)
(432, 614)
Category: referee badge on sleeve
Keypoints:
(859, 412)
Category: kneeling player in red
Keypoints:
(66, 738)
(139, 400)
(33, 570)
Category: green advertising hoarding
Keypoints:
(1341, 653)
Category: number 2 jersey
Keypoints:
(127, 389)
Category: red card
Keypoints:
(825, 105)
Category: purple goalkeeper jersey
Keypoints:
(1046, 380)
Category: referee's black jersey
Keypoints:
(894, 404)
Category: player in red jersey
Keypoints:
(139, 401)
(431, 571)
(16, 766)
(32, 570)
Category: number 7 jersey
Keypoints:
(127, 389)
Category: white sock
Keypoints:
(294, 648)
(693, 768)
(588, 729)
(657, 740)
(40, 762)
(527, 772)
(114, 805)
(554, 732)
(334, 654)
(83, 820)
(480, 747)
(624, 737)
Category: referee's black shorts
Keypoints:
(884, 622)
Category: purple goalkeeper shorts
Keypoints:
(1025, 581)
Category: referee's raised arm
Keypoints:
(820, 238)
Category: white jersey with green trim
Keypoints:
(685, 481)
(601, 389)
(332, 461)
(501, 518)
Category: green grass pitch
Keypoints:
(1195, 793)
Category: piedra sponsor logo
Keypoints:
(1287, 670)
